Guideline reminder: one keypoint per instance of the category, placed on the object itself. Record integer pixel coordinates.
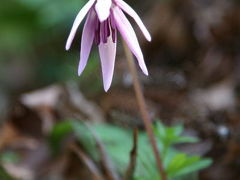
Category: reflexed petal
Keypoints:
(87, 40)
(125, 7)
(102, 8)
(107, 53)
(82, 13)
(129, 36)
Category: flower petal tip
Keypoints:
(144, 69)
(149, 38)
(146, 72)
(106, 87)
(67, 47)
(80, 71)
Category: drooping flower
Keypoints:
(104, 19)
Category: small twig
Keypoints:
(88, 162)
(143, 110)
(106, 161)
(133, 157)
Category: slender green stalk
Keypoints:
(143, 110)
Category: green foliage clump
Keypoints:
(118, 144)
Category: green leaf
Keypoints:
(185, 139)
(172, 135)
(118, 143)
(58, 133)
(176, 163)
(84, 137)
(195, 166)
(182, 164)
(176, 130)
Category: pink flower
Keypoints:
(104, 18)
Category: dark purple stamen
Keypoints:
(108, 29)
(113, 28)
(105, 29)
(97, 32)
(97, 38)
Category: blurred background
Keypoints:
(194, 85)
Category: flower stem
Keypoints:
(143, 110)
